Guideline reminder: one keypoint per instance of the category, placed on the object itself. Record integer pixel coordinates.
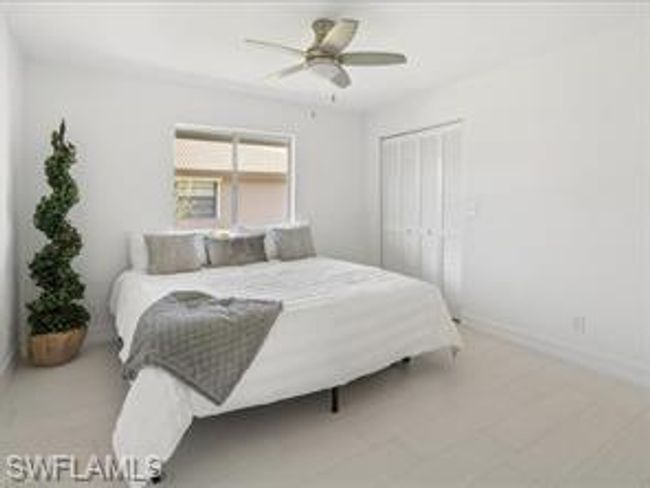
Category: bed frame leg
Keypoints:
(335, 400)
(159, 478)
(156, 480)
(452, 352)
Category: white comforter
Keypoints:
(340, 321)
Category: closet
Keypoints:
(420, 207)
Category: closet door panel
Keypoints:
(431, 204)
(453, 218)
(391, 245)
(409, 161)
(431, 181)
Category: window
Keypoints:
(225, 178)
(197, 198)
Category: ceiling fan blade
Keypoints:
(332, 71)
(339, 36)
(287, 71)
(371, 58)
(276, 46)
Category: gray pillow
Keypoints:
(247, 249)
(218, 250)
(174, 253)
(293, 242)
(235, 250)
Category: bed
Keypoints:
(340, 321)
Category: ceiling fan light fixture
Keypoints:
(325, 67)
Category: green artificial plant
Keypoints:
(58, 307)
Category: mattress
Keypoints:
(340, 321)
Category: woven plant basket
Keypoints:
(56, 348)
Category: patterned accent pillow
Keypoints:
(138, 257)
(174, 253)
(235, 251)
(269, 244)
(293, 242)
(247, 249)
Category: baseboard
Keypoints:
(100, 334)
(633, 371)
(6, 369)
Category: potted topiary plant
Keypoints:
(57, 316)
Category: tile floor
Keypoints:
(501, 416)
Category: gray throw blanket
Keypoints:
(206, 342)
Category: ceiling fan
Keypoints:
(326, 56)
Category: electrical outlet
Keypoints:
(579, 324)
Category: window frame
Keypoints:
(235, 137)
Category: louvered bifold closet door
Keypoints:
(453, 218)
(409, 160)
(422, 208)
(391, 233)
(432, 208)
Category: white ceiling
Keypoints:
(204, 40)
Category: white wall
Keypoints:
(9, 124)
(555, 161)
(645, 103)
(123, 125)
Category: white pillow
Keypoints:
(138, 252)
(248, 230)
(138, 257)
(270, 247)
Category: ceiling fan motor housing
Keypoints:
(321, 28)
(315, 52)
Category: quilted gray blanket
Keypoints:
(206, 342)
